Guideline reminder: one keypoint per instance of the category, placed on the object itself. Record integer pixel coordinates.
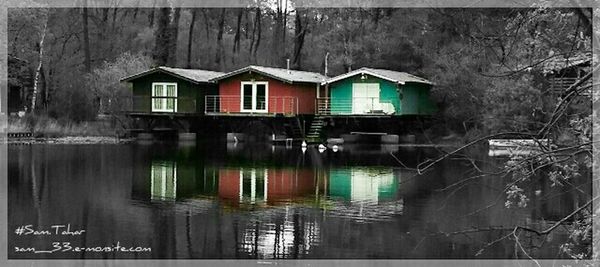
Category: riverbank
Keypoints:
(83, 140)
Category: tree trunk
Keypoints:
(258, 31)
(257, 25)
(252, 37)
(38, 71)
(284, 26)
(206, 24)
(173, 36)
(275, 41)
(151, 18)
(299, 33)
(190, 38)
(236, 38)
(219, 55)
(86, 39)
(135, 13)
(114, 18)
(247, 27)
(161, 46)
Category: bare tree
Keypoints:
(38, 71)
(190, 38)
(236, 38)
(277, 34)
(299, 33)
(86, 38)
(206, 24)
(219, 55)
(173, 35)
(161, 46)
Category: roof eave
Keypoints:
(250, 69)
(159, 69)
(359, 72)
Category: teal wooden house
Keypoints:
(376, 92)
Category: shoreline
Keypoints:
(66, 140)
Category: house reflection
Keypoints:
(163, 180)
(283, 208)
(264, 186)
(367, 194)
(361, 185)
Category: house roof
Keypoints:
(192, 75)
(390, 75)
(561, 62)
(285, 75)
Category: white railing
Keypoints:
(354, 106)
(223, 105)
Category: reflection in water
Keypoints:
(163, 180)
(363, 185)
(371, 193)
(283, 235)
(251, 201)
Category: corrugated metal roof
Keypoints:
(390, 75)
(194, 75)
(285, 75)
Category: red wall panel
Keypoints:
(230, 90)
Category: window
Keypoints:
(254, 97)
(164, 97)
(365, 98)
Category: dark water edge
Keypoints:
(217, 200)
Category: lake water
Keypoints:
(218, 200)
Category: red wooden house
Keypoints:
(265, 91)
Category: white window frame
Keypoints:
(356, 107)
(253, 109)
(253, 188)
(163, 100)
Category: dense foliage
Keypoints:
(475, 57)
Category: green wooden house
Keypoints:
(165, 90)
(376, 92)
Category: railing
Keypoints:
(354, 106)
(560, 85)
(224, 105)
(160, 104)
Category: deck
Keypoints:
(236, 106)
(359, 107)
(159, 106)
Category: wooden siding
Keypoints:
(415, 96)
(191, 94)
(415, 99)
(304, 92)
(341, 94)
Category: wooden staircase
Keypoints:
(315, 130)
(294, 128)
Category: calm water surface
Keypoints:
(220, 200)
